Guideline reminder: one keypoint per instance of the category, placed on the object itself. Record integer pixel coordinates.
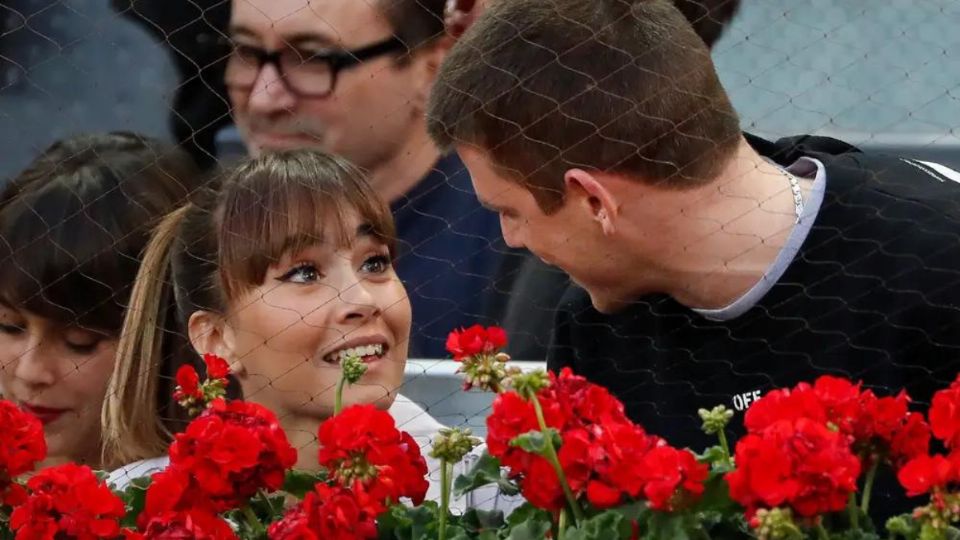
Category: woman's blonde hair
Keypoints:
(209, 252)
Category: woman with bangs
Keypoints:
(283, 270)
(72, 228)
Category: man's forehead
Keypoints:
(334, 21)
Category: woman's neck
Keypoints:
(302, 433)
(90, 459)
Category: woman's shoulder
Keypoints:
(120, 478)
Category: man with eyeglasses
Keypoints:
(352, 77)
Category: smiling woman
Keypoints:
(72, 226)
(282, 270)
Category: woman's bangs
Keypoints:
(63, 274)
(280, 216)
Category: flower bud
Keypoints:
(353, 368)
(715, 420)
(775, 524)
(452, 444)
(528, 384)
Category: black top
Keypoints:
(445, 255)
(873, 294)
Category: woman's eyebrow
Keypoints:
(365, 230)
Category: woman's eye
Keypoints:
(82, 348)
(377, 264)
(11, 329)
(305, 273)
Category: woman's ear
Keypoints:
(209, 333)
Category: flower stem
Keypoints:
(853, 511)
(444, 497)
(562, 523)
(266, 500)
(338, 397)
(555, 462)
(253, 520)
(821, 532)
(725, 445)
(868, 487)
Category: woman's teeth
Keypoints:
(362, 351)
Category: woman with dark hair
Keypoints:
(72, 228)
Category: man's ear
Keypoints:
(595, 197)
(209, 333)
(427, 61)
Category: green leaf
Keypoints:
(299, 483)
(928, 532)
(134, 498)
(716, 496)
(607, 525)
(526, 521)
(406, 523)
(667, 525)
(476, 521)
(391, 522)
(716, 458)
(535, 442)
(856, 535)
(527, 512)
(530, 530)
(485, 471)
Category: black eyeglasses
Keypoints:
(305, 74)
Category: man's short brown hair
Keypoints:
(414, 22)
(620, 86)
(709, 17)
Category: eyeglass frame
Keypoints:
(337, 60)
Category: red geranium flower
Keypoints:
(329, 513)
(217, 367)
(923, 474)
(231, 451)
(293, 526)
(883, 417)
(363, 448)
(671, 477)
(188, 386)
(187, 524)
(840, 399)
(511, 416)
(910, 440)
(172, 490)
(475, 340)
(601, 452)
(798, 462)
(21, 446)
(785, 404)
(68, 501)
(944, 415)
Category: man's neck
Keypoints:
(407, 167)
(740, 223)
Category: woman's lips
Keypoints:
(44, 414)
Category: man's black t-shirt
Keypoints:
(873, 294)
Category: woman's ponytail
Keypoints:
(133, 425)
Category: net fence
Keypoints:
(883, 76)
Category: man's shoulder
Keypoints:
(849, 169)
(910, 179)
